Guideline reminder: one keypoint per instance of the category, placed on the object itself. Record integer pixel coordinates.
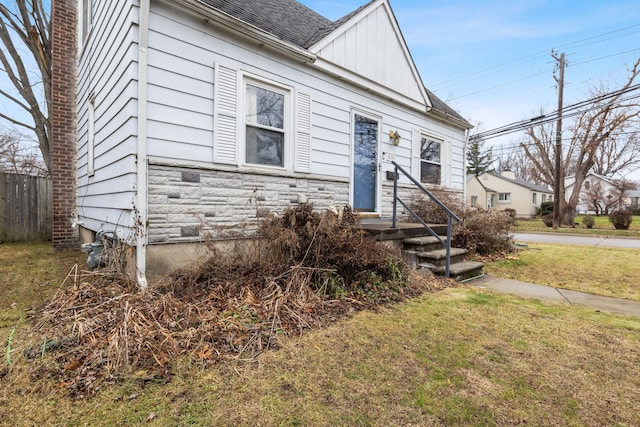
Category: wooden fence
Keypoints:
(25, 208)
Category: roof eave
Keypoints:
(250, 31)
(450, 119)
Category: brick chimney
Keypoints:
(63, 120)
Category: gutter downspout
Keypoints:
(464, 180)
(142, 164)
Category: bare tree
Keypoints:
(620, 152)
(16, 158)
(515, 160)
(610, 115)
(27, 24)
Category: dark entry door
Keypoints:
(365, 164)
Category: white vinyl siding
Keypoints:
(196, 72)
(373, 47)
(107, 124)
(324, 146)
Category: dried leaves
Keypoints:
(309, 269)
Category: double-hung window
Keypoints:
(504, 197)
(430, 155)
(266, 125)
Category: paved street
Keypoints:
(572, 239)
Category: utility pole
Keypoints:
(557, 194)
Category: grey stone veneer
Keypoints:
(186, 203)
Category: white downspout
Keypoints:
(143, 170)
(464, 172)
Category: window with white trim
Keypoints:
(504, 197)
(430, 158)
(534, 199)
(266, 124)
(474, 201)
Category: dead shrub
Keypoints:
(308, 269)
(327, 242)
(484, 232)
(430, 212)
(479, 231)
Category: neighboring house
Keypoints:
(491, 191)
(599, 195)
(632, 199)
(479, 195)
(195, 115)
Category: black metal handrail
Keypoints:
(450, 215)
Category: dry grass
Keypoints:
(31, 272)
(597, 270)
(461, 356)
(457, 357)
(101, 328)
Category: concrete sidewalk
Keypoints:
(530, 290)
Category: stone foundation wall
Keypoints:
(185, 204)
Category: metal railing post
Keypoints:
(448, 260)
(394, 218)
(450, 215)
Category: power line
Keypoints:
(570, 111)
(592, 40)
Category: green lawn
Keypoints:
(602, 226)
(597, 270)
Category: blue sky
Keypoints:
(491, 60)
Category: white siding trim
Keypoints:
(415, 154)
(302, 139)
(91, 136)
(446, 163)
(225, 128)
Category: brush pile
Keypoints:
(302, 270)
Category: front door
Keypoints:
(365, 164)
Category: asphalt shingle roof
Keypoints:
(295, 23)
(286, 19)
(529, 185)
